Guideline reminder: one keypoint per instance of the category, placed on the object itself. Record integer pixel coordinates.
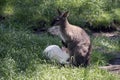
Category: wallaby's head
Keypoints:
(60, 19)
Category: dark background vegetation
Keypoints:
(94, 14)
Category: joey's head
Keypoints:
(60, 19)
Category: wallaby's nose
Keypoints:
(49, 32)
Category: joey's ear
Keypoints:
(59, 12)
(66, 14)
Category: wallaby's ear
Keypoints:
(59, 12)
(66, 14)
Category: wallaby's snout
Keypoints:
(55, 30)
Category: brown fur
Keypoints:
(75, 39)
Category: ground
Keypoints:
(114, 64)
(21, 57)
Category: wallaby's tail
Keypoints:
(90, 49)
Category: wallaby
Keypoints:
(74, 38)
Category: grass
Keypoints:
(21, 58)
(21, 51)
(104, 49)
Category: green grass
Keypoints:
(21, 51)
(104, 49)
(21, 58)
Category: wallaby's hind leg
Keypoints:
(87, 62)
(88, 55)
(81, 56)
